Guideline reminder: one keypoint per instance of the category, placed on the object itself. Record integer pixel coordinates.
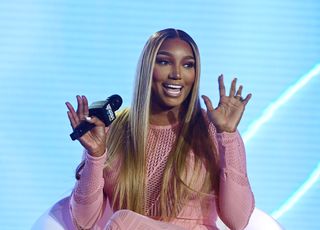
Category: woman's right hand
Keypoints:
(94, 141)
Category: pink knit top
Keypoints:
(90, 198)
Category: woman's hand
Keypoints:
(227, 115)
(95, 139)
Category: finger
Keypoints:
(208, 103)
(85, 106)
(73, 115)
(246, 100)
(222, 89)
(80, 109)
(72, 120)
(79, 101)
(233, 87)
(239, 91)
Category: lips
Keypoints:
(172, 90)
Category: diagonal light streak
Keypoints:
(315, 175)
(266, 116)
(271, 109)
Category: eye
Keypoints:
(162, 61)
(189, 65)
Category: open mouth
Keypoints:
(172, 90)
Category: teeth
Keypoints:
(174, 86)
(173, 90)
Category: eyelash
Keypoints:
(164, 62)
(189, 65)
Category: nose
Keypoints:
(175, 73)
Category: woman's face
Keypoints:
(173, 74)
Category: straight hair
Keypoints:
(127, 141)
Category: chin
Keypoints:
(167, 103)
(173, 102)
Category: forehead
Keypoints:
(173, 45)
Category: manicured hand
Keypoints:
(227, 115)
(95, 139)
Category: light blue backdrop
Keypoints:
(52, 50)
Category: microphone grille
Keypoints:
(115, 101)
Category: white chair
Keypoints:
(58, 218)
(262, 221)
(259, 220)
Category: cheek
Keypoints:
(190, 78)
(189, 82)
(155, 74)
(156, 80)
(158, 74)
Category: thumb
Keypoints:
(94, 120)
(210, 110)
(208, 103)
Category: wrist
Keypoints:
(225, 129)
(97, 153)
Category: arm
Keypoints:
(236, 200)
(87, 199)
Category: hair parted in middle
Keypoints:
(127, 140)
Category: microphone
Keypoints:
(104, 110)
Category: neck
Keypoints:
(166, 117)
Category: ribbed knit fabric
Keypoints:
(234, 204)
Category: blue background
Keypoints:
(52, 50)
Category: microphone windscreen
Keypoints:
(115, 101)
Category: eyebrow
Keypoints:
(163, 52)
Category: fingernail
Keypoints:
(88, 118)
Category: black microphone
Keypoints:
(104, 110)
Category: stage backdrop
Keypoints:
(52, 50)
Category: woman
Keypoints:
(165, 163)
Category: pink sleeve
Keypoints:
(87, 199)
(236, 200)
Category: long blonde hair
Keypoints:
(128, 139)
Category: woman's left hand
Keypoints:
(227, 115)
